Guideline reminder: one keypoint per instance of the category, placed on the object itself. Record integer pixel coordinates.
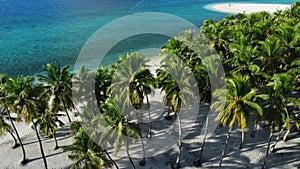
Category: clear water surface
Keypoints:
(34, 32)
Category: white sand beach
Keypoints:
(246, 8)
(250, 156)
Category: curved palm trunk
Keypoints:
(285, 136)
(273, 146)
(24, 161)
(179, 142)
(150, 120)
(74, 106)
(243, 138)
(225, 147)
(127, 151)
(66, 110)
(41, 145)
(115, 164)
(198, 161)
(267, 151)
(54, 136)
(16, 142)
(76, 109)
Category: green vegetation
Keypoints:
(260, 54)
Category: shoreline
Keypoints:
(247, 8)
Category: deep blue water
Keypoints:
(36, 32)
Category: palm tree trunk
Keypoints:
(16, 142)
(24, 161)
(143, 161)
(273, 146)
(67, 112)
(174, 124)
(167, 117)
(198, 161)
(267, 152)
(117, 167)
(127, 151)
(74, 106)
(243, 138)
(54, 136)
(254, 131)
(285, 136)
(41, 145)
(150, 120)
(179, 141)
(225, 147)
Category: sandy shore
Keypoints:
(162, 151)
(246, 7)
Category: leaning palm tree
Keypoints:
(92, 123)
(237, 107)
(118, 129)
(86, 153)
(5, 127)
(47, 123)
(59, 86)
(10, 90)
(27, 102)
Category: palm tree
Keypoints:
(47, 124)
(86, 153)
(279, 106)
(59, 85)
(294, 70)
(272, 48)
(8, 89)
(94, 127)
(5, 127)
(117, 128)
(259, 46)
(104, 76)
(162, 78)
(124, 82)
(146, 83)
(26, 102)
(237, 107)
(131, 81)
(176, 80)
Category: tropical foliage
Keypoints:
(260, 56)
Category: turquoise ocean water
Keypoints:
(34, 32)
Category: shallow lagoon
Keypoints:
(34, 33)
